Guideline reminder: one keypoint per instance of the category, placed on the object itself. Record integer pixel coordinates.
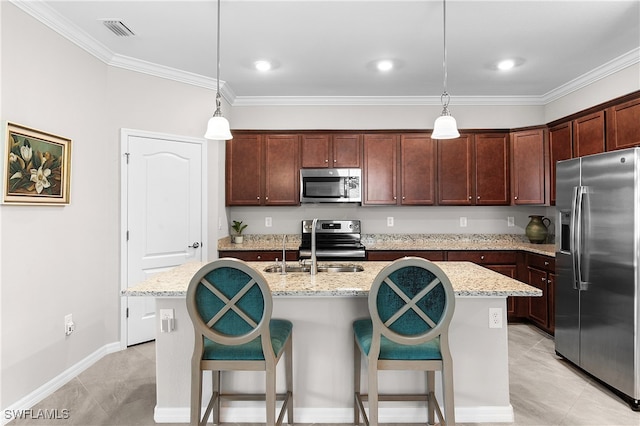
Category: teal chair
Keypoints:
(230, 306)
(411, 303)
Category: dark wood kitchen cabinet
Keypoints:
(380, 169)
(588, 134)
(390, 255)
(528, 167)
(324, 150)
(474, 170)
(560, 148)
(541, 274)
(417, 169)
(258, 255)
(623, 125)
(262, 169)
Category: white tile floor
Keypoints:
(119, 390)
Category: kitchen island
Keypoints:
(322, 309)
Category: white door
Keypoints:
(164, 217)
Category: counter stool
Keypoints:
(230, 306)
(411, 303)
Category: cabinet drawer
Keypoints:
(258, 256)
(545, 263)
(483, 257)
(384, 255)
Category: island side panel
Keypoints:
(323, 364)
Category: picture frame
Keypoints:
(37, 167)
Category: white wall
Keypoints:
(61, 260)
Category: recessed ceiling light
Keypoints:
(384, 65)
(262, 65)
(506, 64)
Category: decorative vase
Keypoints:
(237, 239)
(537, 230)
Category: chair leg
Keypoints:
(447, 392)
(431, 387)
(215, 384)
(196, 393)
(271, 396)
(289, 377)
(357, 365)
(373, 392)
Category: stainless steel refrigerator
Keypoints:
(597, 271)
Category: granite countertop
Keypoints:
(374, 242)
(468, 279)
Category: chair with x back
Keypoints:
(411, 303)
(230, 306)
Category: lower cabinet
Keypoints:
(540, 273)
(383, 255)
(259, 255)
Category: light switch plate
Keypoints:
(511, 221)
(390, 221)
(268, 222)
(463, 222)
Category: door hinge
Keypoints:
(127, 312)
(127, 155)
(127, 235)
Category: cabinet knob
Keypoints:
(543, 279)
(326, 161)
(259, 257)
(258, 197)
(266, 198)
(478, 197)
(515, 198)
(404, 198)
(335, 161)
(395, 198)
(470, 197)
(546, 263)
(482, 257)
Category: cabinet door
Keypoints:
(588, 134)
(380, 164)
(244, 170)
(455, 165)
(417, 168)
(527, 168)
(347, 151)
(560, 148)
(491, 156)
(623, 125)
(315, 151)
(538, 306)
(551, 281)
(282, 180)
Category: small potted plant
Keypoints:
(238, 227)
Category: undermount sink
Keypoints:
(333, 267)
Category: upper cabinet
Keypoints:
(528, 152)
(623, 125)
(331, 150)
(560, 148)
(399, 164)
(262, 169)
(380, 169)
(417, 169)
(588, 134)
(474, 170)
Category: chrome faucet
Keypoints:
(314, 260)
(284, 255)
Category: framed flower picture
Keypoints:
(37, 167)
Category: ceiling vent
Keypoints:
(118, 27)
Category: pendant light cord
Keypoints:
(444, 99)
(218, 52)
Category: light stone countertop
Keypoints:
(468, 279)
(374, 242)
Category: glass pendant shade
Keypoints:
(218, 129)
(445, 127)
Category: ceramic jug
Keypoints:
(537, 229)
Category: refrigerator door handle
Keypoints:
(576, 236)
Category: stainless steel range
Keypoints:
(335, 240)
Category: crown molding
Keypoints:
(48, 16)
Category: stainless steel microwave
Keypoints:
(330, 185)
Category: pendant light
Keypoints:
(445, 126)
(218, 127)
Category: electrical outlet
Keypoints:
(390, 221)
(495, 317)
(463, 222)
(69, 326)
(511, 221)
(167, 319)
(268, 222)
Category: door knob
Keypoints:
(195, 245)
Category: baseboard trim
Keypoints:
(57, 382)
(492, 414)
